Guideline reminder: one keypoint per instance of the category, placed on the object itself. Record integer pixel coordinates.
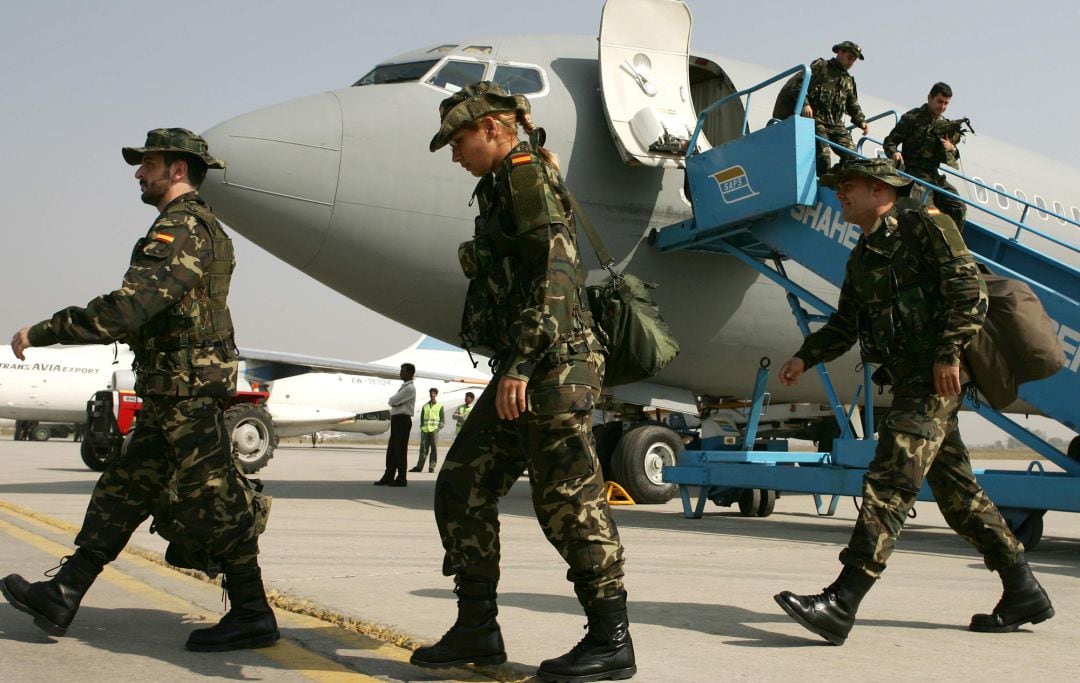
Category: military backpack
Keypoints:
(639, 343)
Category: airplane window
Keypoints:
(396, 73)
(1059, 209)
(1041, 203)
(477, 50)
(1076, 214)
(456, 75)
(442, 48)
(519, 80)
(981, 195)
(1002, 196)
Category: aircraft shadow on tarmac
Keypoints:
(745, 627)
(151, 633)
(160, 635)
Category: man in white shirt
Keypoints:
(402, 406)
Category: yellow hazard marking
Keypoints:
(292, 613)
(295, 658)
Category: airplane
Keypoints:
(337, 178)
(306, 394)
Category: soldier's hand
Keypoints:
(948, 145)
(20, 342)
(792, 371)
(946, 379)
(865, 128)
(898, 158)
(808, 111)
(510, 398)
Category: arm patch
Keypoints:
(533, 198)
(949, 233)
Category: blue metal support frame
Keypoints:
(753, 200)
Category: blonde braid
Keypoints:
(525, 119)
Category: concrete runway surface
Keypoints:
(355, 570)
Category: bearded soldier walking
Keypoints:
(171, 309)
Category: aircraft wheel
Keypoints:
(40, 433)
(253, 437)
(1026, 525)
(768, 503)
(607, 437)
(750, 502)
(639, 460)
(97, 456)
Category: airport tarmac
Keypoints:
(347, 552)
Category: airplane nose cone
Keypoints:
(281, 175)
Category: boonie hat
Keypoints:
(469, 104)
(851, 47)
(878, 169)
(172, 140)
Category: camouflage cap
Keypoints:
(469, 104)
(878, 169)
(172, 140)
(849, 46)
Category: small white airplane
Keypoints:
(307, 394)
(344, 177)
(353, 398)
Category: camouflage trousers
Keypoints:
(953, 208)
(178, 468)
(556, 445)
(918, 440)
(837, 133)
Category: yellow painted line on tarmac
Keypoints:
(291, 612)
(292, 656)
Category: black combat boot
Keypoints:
(249, 623)
(606, 653)
(1023, 601)
(831, 613)
(53, 603)
(474, 638)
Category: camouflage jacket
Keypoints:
(525, 298)
(831, 93)
(923, 151)
(910, 300)
(170, 307)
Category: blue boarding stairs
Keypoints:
(757, 199)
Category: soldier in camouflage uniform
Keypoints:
(526, 309)
(913, 298)
(925, 147)
(830, 95)
(171, 309)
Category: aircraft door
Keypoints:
(645, 82)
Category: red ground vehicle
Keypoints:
(110, 417)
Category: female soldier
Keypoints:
(525, 307)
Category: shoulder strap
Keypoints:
(594, 237)
(536, 138)
(912, 244)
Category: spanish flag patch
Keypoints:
(162, 237)
(520, 158)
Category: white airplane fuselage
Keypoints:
(342, 186)
(53, 384)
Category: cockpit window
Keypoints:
(396, 73)
(455, 75)
(519, 80)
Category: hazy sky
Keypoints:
(82, 79)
